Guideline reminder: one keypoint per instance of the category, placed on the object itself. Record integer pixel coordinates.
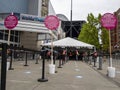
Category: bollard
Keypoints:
(43, 79)
(100, 63)
(26, 60)
(90, 59)
(59, 64)
(36, 61)
(94, 61)
(3, 67)
(37, 58)
(10, 68)
(54, 58)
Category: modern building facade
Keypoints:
(115, 34)
(30, 31)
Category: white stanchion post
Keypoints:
(110, 69)
(51, 66)
(8, 65)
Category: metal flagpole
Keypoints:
(71, 20)
(71, 11)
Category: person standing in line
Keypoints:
(70, 55)
(48, 55)
(95, 54)
(63, 56)
(77, 54)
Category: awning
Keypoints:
(69, 42)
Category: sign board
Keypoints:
(31, 18)
(10, 22)
(109, 21)
(51, 22)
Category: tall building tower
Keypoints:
(115, 34)
(32, 7)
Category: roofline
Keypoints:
(29, 27)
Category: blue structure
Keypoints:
(20, 6)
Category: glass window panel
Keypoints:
(12, 38)
(6, 36)
(12, 32)
(1, 35)
(2, 31)
(41, 36)
(48, 36)
(16, 33)
(16, 39)
(6, 31)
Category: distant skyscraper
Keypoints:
(33, 7)
(115, 34)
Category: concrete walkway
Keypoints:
(103, 72)
(75, 75)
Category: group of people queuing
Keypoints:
(71, 55)
(65, 55)
(61, 54)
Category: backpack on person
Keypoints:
(95, 54)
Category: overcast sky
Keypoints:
(81, 8)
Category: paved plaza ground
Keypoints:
(74, 75)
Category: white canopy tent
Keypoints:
(69, 42)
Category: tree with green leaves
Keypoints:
(91, 31)
(105, 39)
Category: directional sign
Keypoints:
(10, 22)
(109, 21)
(51, 22)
